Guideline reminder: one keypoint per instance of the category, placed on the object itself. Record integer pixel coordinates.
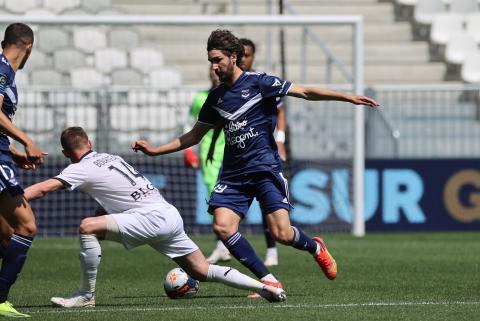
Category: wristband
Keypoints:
(280, 136)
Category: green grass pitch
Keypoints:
(415, 276)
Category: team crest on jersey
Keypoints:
(219, 188)
(277, 83)
(219, 101)
(3, 80)
(245, 93)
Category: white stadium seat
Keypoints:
(60, 5)
(95, 5)
(20, 6)
(81, 115)
(471, 68)
(458, 47)
(165, 78)
(473, 26)
(89, 39)
(463, 6)
(39, 12)
(445, 25)
(67, 58)
(127, 77)
(123, 38)
(145, 59)
(86, 78)
(426, 10)
(38, 60)
(22, 79)
(51, 39)
(35, 118)
(47, 77)
(110, 58)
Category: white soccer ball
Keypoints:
(179, 285)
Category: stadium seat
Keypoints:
(20, 6)
(463, 6)
(110, 58)
(52, 39)
(473, 26)
(85, 77)
(38, 60)
(471, 68)
(89, 39)
(35, 118)
(22, 79)
(426, 10)
(94, 6)
(145, 59)
(67, 58)
(165, 78)
(445, 25)
(143, 97)
(39, 12)
(458, 47)
(81, 115)
(127, 77)
(47, 77)
(59, 6)
(123, 38)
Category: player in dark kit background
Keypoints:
(14, 208)
(245, 102)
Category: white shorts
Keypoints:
(161, 227)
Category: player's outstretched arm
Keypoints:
(33, 152)
(41, 189)
(314, 93)
(191, 138)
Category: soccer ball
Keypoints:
(179, 285)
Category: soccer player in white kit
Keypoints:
(137, 215)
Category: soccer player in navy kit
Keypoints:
(245, 103)
(14, 208)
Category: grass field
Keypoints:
(381, 277)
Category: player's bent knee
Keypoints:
(28, 229)
(87, 226)
(223, 231)
(282, 237)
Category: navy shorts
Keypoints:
(237, 193)
(9, 177)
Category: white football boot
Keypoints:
(271, 258)
(78, 299)
(220, 254)
(273, 294)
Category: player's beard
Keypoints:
(227, 75)
(24, 60)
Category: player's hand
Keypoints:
(34, 154)
(190, 158)
(282, 151)
(144, 147)
(363, 100)
(22, 161)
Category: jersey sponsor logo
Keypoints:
(231, 136)
(219, 188)
(143, 192)
(245, 93)
(277, 83)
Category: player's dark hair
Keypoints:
(16, 34)
(225, 41)
(249, 43)
(73, 138)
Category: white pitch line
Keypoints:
(279, 306)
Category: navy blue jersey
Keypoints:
(248, 110)
(10, 97)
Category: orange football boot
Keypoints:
(325, 260)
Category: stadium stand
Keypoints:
(68, 58)
(86, 77)
(108, 59)
(471, 68)
(473, 26)
(127, 77)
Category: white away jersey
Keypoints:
(112, 182)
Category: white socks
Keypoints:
(231, 277)
(90, 255)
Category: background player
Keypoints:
(14, 208)
(246, 103)
(138, 214)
